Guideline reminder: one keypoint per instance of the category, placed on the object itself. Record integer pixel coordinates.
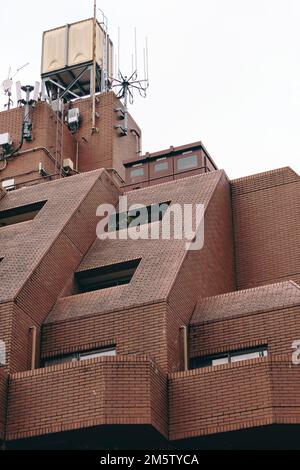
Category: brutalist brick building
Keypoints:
(127, 344)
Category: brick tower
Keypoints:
(126, 344)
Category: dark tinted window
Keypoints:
(229, 357)
(82, 356)
(161, 166)
(188, 162)
(137, 172)
(106, 276)
(20, 214)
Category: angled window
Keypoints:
(106, 276)
(20, 214)
(82, 356)
(148, 215)
(229, 358)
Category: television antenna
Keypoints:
(7, 85)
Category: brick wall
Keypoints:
(219, 399)
(25, 166)
(6, 321)
(105, 148)
(40, 292)
(235, 396)
(277, 329)
(21, 340)
(285, 391)
(134, 331)
(87, 394)
(209, 271)
(56, 250)
(266, 223)
(3, 399)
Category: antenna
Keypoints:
(19, 92)
(135, 50)
(94, 129)
(19, 69)
(8, 84)
(105, 51)
(125, 86)
(36, 92)
(6, 87)
(119, 49)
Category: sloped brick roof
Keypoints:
(24, 245)
(160, 259)
(249, 301)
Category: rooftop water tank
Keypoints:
(67, 53)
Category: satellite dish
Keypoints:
(7, 85)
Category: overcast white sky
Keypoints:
(226, 72)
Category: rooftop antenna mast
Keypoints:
(8, 84)
(105, 53)
(126, 86)
(94, 129)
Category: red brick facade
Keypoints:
(239, 292)
(52, 142)
(3, 401)
(117, 390)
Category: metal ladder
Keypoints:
(59, 138)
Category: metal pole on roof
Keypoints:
(94, 69)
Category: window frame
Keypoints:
(107, 276)
(186, 157)
(135, 169)
(16, 213)
(79, 356)
(208, 361)
(162, 161)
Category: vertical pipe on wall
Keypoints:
(33, 330)
(184, 330)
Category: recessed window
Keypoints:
(161, 166)
(187, 163)
(107, 276)
(137, 217)
(20, 214)
(82, 356)
(229, 358)
(137, 172)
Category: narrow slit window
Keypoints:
(229, 358)
(20, 214)
(82, 356)
(107, 276)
